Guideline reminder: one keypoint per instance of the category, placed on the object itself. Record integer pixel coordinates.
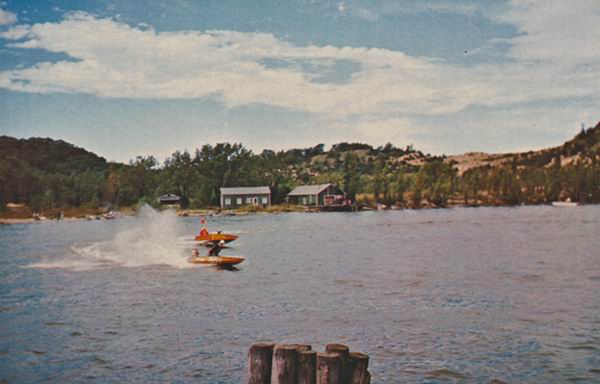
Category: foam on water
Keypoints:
(150, 238)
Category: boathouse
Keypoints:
(322, 194)
(169, 199)
(240, 196)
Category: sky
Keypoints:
(149, 77)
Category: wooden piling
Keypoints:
(358, 365)
(283, 369)
(259, 363)
(328, 368)
(306, 372)
(343, 351)
(299, 364)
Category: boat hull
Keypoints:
(213, 237)
(217, 260)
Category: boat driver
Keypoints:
(216, 248)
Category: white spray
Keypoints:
(150, 238)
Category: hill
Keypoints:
(585, 145)
(41, 171)
(45, 154)
(46, 174)
(569, 171)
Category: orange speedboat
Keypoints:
(206, 237)
(216, 260)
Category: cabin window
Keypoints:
(239, 201)
(248, 200)
(228, 201)
(265, 200)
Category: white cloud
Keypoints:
(379, 101)
(560, 32)
(7, 17)
(112, 59)
(556, 54)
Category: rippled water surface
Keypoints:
(456, 295)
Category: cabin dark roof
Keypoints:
(246, 191)
(304, 190)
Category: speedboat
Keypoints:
(216, 260)
(206, 237)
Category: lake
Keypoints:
(432, 296)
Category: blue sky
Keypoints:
(127, 78)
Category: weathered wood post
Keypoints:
(259, 363)
(307, 367)
(328, 368)
(283, 370)
(358, 364)
(343, 351)
(298, 364)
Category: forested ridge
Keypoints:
(44, 174)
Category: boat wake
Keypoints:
(150, 238)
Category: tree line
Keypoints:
(46, 174)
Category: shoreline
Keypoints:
(217, 213)
(68, 214)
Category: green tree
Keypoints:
(351, 176)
